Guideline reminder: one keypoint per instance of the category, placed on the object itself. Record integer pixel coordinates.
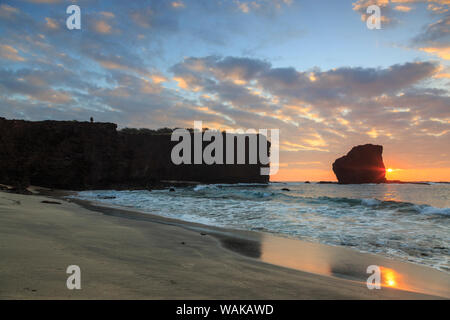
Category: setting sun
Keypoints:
(391, 173)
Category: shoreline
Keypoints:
(206, 262)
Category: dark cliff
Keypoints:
(363, 164)
(82, 155)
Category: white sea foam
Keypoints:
(370, 202)
(433, 210)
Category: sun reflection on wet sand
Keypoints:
(352, 265)
(390, 278)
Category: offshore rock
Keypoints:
(363, 164)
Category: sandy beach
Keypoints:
(130, 255)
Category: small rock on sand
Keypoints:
(50, 202)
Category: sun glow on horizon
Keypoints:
(323, 174)
(390, 173)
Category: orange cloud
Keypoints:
(181, 83)
(177, 4)
(51, 23)
(158, 79)
(293, 147)
(372, 133)
(10, 53)
(443, 53)
(403, 8)
(102, 27)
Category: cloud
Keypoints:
(437, 9)
(159, 15)
(390, 9)
(437, 33)
(317, 109)
(435, 38)
(178, 4)
(443, 53)
(33, 85)
(266, 6)
(387, 16)
(102, 27)
(107, 14)
(51, 23)
(143, 18)
(403, 8)
(240, 78)
(7, 11)
(10, 53)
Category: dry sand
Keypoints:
(145, 258)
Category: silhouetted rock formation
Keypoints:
(83, 155)
(363, 164)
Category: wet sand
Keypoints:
(131, 255)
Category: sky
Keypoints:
(312, 69)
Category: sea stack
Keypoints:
(363, 164)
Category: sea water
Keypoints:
(409, 222)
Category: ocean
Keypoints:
(409, 222)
